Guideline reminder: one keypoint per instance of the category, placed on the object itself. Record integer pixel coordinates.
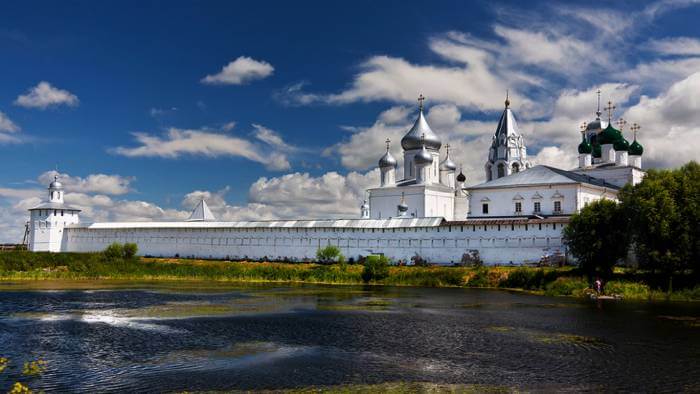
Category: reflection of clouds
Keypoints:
(109, 317)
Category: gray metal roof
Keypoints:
(54, 205)
(543, 175)
(323, 223)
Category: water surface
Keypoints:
(156, 337)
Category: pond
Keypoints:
(165, 337)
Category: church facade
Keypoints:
(516, 216)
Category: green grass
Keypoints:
(23, 265)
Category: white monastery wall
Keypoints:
(521, 241)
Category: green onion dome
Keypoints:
(585, 147)
(621, 144)
(636, 148)
(597, 152)
(609, 135)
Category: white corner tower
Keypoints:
(507, 154)
(47, 221)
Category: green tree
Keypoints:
(114, 251)
(664, 211)
(376, 268)
(130, 250)
(597, 236)
(329, 254)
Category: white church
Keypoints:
(427, 210)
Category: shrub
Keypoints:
(628, 290)
(480, 278)
(329, 254)
(130, 250)
(114, 251)
(376, 268)
(566, 286)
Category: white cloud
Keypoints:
(93, 183)
(178, 142)
(44, 95)
(240, 71)
(687, 46)
(670, 130)
(7, 125)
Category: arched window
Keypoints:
(516, 168)
(501, 170)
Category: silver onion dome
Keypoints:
(448, 164)
(387, 160)
(423, 157)
(55, 184)
(412, 139)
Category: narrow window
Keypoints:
(485, 208)
(557, 206)
(518, 207)
(540, 226)
(537, 207)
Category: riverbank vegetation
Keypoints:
(655, 227)
(567, 281)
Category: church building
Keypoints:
(427, 210)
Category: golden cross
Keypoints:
(421, 98)
(610, 108)
(621, 123)
(388, 141)
(635, 128)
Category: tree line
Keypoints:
(655, 223)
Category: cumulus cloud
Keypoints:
(177, 142)
(93, 183)
(240, 71)
(44, 95)
(670, 130)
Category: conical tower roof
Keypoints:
(201, 213)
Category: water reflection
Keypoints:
(174, 337)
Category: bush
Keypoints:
(114, 251)
(329, 254)
(565, 286)
(130, 250)
(376, 268)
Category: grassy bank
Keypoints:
(21, 265)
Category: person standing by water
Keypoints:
(598, 284)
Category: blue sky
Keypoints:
(134, 104)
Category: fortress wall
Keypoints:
(497, 244)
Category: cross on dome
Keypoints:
(421, 98)
(635, 128)
(387, 142)
(507, 100)
(598, 110)
(610, 108)
(621, 123)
